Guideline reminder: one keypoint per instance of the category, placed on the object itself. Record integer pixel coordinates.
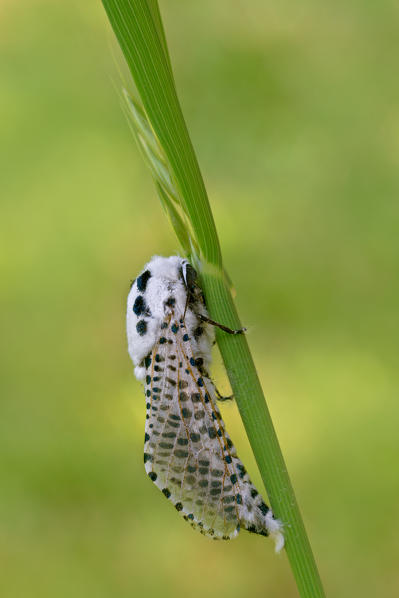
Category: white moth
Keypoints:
(187, 451)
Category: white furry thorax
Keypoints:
(159, 290)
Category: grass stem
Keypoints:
(166, 144)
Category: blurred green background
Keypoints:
(294, 111)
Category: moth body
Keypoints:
(187, 451)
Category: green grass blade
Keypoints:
(156, 17)
(142, 46)
(157, 162)
(139, 30)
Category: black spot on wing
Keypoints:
(142, 280)
(198, 332)
(263, 508)
(170, 301)
(141, 327)
(139, 305)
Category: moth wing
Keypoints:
(187, 453)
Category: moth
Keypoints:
(187, 452)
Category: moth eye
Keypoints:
(189, 275)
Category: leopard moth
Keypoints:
(187, 451)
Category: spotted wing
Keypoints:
(187, 452)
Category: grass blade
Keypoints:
(138, 27)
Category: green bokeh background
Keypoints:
(294, 112)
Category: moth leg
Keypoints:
(221, 397)
(218, 394)
(221, 326)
